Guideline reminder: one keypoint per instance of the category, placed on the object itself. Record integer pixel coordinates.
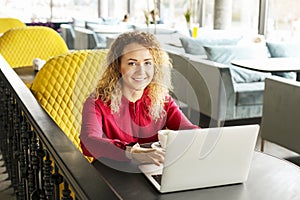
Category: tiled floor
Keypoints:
(6, 191)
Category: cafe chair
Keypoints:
(281, 113)
(9, 23)
(87, 39)
(19, 46)
(63, 84)
(68, 34)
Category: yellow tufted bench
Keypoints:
(19, 46)
(63, 84)
(8, 23)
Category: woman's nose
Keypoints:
(140, 66)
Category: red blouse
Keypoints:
(104, 134)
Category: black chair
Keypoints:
(280, 119)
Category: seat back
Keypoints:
(281, 113)
(67, 32)
(87, 39)
(64, 83)
(19, 46)
(8, 23)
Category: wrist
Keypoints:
(128, 152)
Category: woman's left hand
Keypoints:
(147, 155)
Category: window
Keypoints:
(283, 20)
(137, 9)
(49, 10)
(245, 15)
(113, 9)
(173, 11)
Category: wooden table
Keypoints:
(26, 74)
(269, 178)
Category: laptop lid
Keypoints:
(205, 157)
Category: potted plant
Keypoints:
(188, 15)
(147, 18)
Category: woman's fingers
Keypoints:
(148, 155)
(157, 156)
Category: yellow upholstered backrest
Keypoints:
(8, 23)
(19, 46)
(63, 84)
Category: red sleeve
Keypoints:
(93, 140)
(176, 120)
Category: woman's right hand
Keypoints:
(147, 155)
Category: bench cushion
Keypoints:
(225, 54)
(284, 49)
(249, 93)
(195, 46)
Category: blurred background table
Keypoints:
(27, 74)
(284, 64)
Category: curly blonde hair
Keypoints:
(109, 88)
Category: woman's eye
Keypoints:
(132, 63)
(148, 63)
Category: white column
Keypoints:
(222, 14)
(263, 15)
(202, 12)
(104, 8)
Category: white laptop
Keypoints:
(204, 158)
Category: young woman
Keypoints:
(131, 102)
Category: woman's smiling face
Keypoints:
(137, 68)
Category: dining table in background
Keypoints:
(282, 64)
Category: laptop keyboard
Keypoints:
(157, 178)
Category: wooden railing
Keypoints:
(41, 161)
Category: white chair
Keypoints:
(67, 32)
(87, 39)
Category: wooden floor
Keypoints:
(6, 191)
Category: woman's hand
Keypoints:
(147, 155)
